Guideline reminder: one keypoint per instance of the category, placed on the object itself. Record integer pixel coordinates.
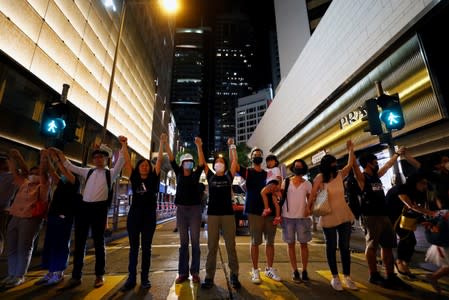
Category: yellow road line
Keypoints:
(184, 291)
(275, 290)
(363, 293)
(110, 282)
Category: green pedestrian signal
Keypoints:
(53, 123)
(391, 114)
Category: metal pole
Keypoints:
(114, 64)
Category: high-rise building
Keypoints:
(249, 112)
(234, 46)
(190, 88)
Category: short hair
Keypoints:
(365, 158)
(272, 157)
(254, 150)
(304, 165)
(224, 161)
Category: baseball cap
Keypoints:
(186, 156)
(103, 149)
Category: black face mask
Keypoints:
(333, 169)
(376, 169)
(257, 160)
(298, 171)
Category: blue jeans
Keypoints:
(344, 237)
(188, 219)
(57, 243)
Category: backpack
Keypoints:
(108, 180)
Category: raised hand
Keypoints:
(164, 138)
(230, 141)
(123, 140)
(198, 141)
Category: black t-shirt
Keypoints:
(373, 197)
(187, 187)
(255, 182)
(220, 194)
(145, 191)
(395, 205)
(65, 199)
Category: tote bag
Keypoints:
(321, 207)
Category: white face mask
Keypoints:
(446, 165)
(219, 167)
(34, 178)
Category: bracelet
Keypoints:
(232, 146)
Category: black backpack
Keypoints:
(108, 180)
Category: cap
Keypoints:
(103, 149)
(186, 156)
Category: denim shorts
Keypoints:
(297, 230)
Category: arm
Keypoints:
(233, 156)
(199, 147)
(160, 156)
(69, 175)
(409, 203)
(16, 163)
(115, 171)
(358, 175)
(411, 160)
(44, 184)
(68, 165)
(315, 187)
(390, 162)
(169, 152)
(345, 171)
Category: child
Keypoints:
(438, 254)
(273, 185)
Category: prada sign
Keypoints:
(352, 117)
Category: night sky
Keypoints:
(261, 13)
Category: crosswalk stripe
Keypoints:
(184, 291)
(363, 293)
(110, 282)
(275, 290)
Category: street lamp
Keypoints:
(170, 6)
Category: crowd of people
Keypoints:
(51, 191)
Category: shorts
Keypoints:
(259, 225)
(297, 229)
(379, 231)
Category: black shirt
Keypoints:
(187, 188)
(145, 191)
(255, 182)
(373, 197)
(65, 199)
(220, 194)
(395, 206)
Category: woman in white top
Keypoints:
(338, 222)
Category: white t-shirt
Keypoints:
(273, 174)
(297, 199)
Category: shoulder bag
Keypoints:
(321, 206)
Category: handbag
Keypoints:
(40, 208)
(408, 223)
(321, 207)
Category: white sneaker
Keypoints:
(255, 276)
(336, 284)
(350, 284)
(272, 273)
(15, 282)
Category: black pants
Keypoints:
(406, 244)
(141, 224)
(90, 215)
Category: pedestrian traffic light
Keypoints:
(374, 125)
(53, 122)
(391, 115)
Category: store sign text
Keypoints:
(352, 117)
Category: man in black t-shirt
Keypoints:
(379, 230)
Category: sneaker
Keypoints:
(377, 279)
(255, 276)
(181, 279)
(207, 284)
(99, 281)
(336, 284)
(196, 278)
(394, 282)
(129, 285)
(16, 281)
(73, 282)
(234, 279)
(145, 284)
(350, 284)
(295, 276)
(6, 280)
(44, 279)
(56, 278)
(305, 276)
(272, 273)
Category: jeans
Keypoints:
(188, 219)
(344, 237)
(141, 224)
(91, 215)
(20, 242)
(57, 243)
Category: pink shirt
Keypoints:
(27, 195)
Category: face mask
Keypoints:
(298, 171)
(446, 165)
(334, 169)
(63, 179)
(34, 178)
(257, 160)
(376, 169)
(219, 167)
(188, 165)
